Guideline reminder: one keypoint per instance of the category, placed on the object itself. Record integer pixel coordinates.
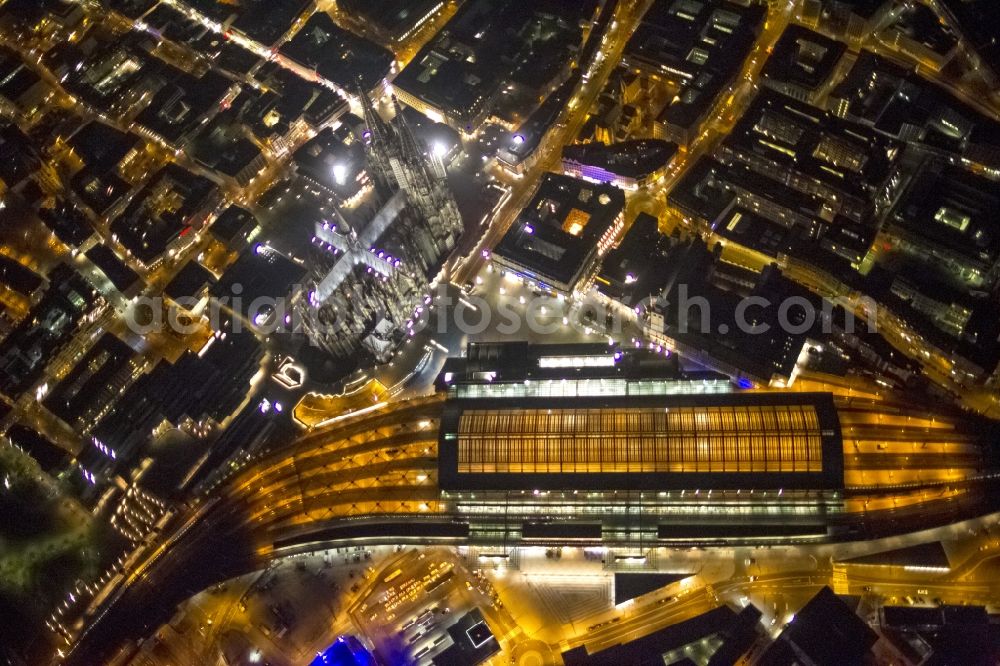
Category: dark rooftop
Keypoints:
(223, 147)
(102, 147)
(953, 208)
(473, 642)
(101, 191)
(261, 275)
(826, 631)
(18, 157)
(922, 555)
(50, 457)
(17, 276)
(27, 349)
(631, 585)
(803, 58)
(978, 20)
(649, 649)
(234, 223)
(338, 55)
(93, 383)
(702, 192)
(637, 268)
(67, 222)
(334, 159)
(189, 282)
(161, 212)
(116, 270)
(508, 40)
(778, 132)
(560, 228)
(393, 18)
(16, 78)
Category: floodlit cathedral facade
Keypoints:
(367, 280)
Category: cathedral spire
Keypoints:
(378, 139)
(380, 131)
(409, 145)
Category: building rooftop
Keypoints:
(18, 277)
(486, 45)
(977, 19)
(102, 147)
(101, 191)
(288, 99)
(792, 135)
(673, 442)
(223, 147)
(396, 19)
(50, 457)
(921, 24)
(161, 212)
(181, 102)
(234, 224)
(93, 383)
(117, 271)
(803, 58)
(16, 78)
(201, 387)
(715, 331)
(337, 54)
(18, 157)
(523, 142)
(265, 21)
(626, 420)
(67, 222)
(472, 642)
(520, 369)
(561, 228)
(896, 101)
(702, 191)
(630, 585)
(700, 44)
(637, 267)
(649, 649)
(631, 159)
(261, 274)
(29, 347)
(952, 208)
(189, 283)
(335, 158)
(826, 631)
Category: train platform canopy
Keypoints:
(725, 441)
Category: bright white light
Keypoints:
(340, 174)
(518, 139)
(576, 361)
(440, 149)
